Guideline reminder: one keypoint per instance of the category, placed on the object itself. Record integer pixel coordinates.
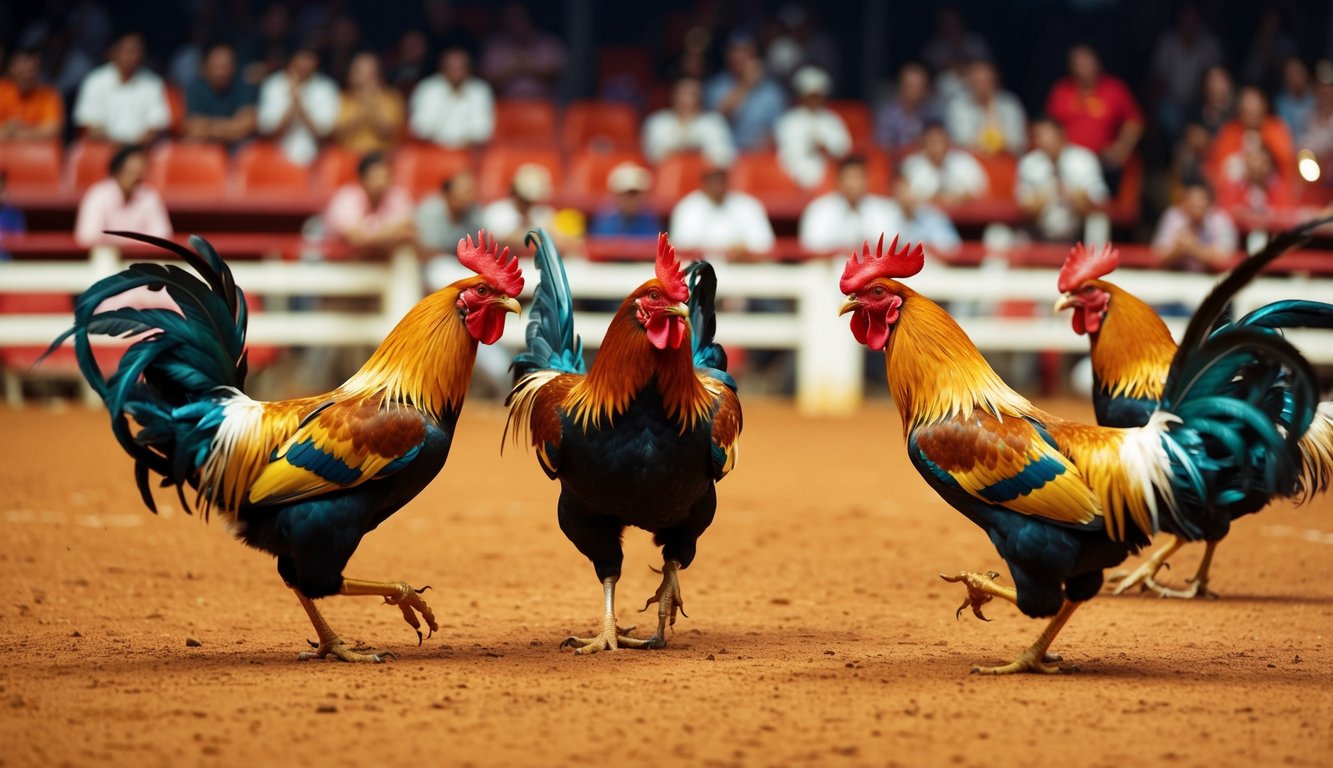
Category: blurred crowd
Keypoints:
(1242, 142)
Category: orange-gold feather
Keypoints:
(1132, 351)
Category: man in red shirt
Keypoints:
(1096, 110)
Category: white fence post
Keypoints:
(829, 363)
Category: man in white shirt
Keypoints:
(809, 133)
(1058, 183)
(985, 118)
(299, 106)
(720, 222)
(849, 215)
(685, 127)
(942, 173)
(509, 218)
(453, 108)
(121, 101)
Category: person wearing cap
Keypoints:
(719, 221)
(745, 95)
(628, 182)
(509, 219)
(371, 215)
(810, 133)
(686, 127)
(849, 213)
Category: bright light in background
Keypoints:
(1307, 165)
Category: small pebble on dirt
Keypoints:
(76, 633)
(190, 642)
(325, 709)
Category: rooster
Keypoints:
(1131, 351)
(1062, 501)
(300, 479)
(639, 438)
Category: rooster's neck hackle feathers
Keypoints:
(1132, 351)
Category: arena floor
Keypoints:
(819, 633)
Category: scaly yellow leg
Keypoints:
(1198, 585)
(981, 587)
(611, 637)
(1035, 658)
(1144, 575)
(394, 593)
(669, 601)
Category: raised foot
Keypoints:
(669, 602)
(411, 603)
(611, 638)
(1028, 662)
(981, 589)
(337, 649)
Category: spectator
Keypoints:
(1096, 110)
(1318, 137)
(510, 218)
(29, 110)
(900, 122)
(218, 105)
(1270, 48)
(745, 95)
(408, 63)
(1194, 235)
(12, 222)
(370, 215)
(942, 173)
(629, 182)
(1252, 118)
(810, 133)
(446, 218)
(719, 221)
(371, 116)
(1180, 59)
(1260, 188)
(1058, 183)
(122, 201)
(453, 108)
(522, 61)
(1295, 102)
(1218, 104)
(299, 106)
(799, 41)
(121, 101)
(950, 51)
(985, 118)
(848, 215)
(923, 223)
(341, 36)
(684, 127)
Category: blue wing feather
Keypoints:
(552, 343)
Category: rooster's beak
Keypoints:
(510, 305)
(1065, 302)
(850, 305)
(678, 310)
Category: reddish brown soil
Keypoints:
(818, 634)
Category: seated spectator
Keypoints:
(371, 215)
(522, 61)
(1260, 188)
(1194, 235)
(29, 110)
(1252, 118)
(1318, 137)
(810, 133)
(218, 105)
(121, 101)
(629, 183)
(1295, 102)
(984, 118)
(719, 221)
(122, 201)
(924, 223)
(453, 108)
(745, 95)
(1058, 183)
(1180, 58)
(949, 51)
(685, 127)
(444, 219)
(848, 215)
(942, 173)
(12, 221)
(1217, 106)
(899, 123)
(299, 106)
(1096, 110)
(509, 219)
(409, 62)
(371, 116)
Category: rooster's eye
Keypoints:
(654, 296)
(1089, 289)
(482, 290)
(879, 290)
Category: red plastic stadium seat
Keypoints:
(760, 174)
(1001, 171)
(87, 163)
(879, 167)
(335, 167)
(588, 170)
(422, 168)
(859, 122)
(31, 165)
(677, 176)
(600, 125)
(524, 122)
(1124, 207)
(263, 169)
(500, 162)
(176, 105)
(191, 170)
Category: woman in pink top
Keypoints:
(122, 201)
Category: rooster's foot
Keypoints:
(669, 602)
(337, 649)
(981, 589)
(609, 639)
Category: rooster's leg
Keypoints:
(1035, 658)
(669, 601)
(329, 642)
(398, 593)
(1143, 575)
(611, 637)
(1198, 585)
(981, 587)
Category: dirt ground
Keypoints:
(818, 634)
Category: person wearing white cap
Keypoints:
(686, 127)
(509, 219)
(810, 133)
(628, 182)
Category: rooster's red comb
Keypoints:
(866, 266)
(669, 273)
(1084, 265)
(486, 259)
